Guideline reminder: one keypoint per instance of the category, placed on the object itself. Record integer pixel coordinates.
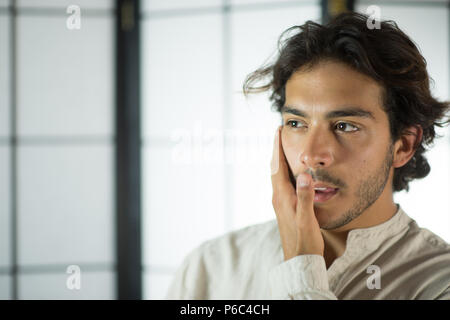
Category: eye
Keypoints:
(342, 125)
(294, 124)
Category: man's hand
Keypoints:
(297, 223)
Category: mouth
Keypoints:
(324, 194)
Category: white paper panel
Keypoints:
(66, 204)
(269, 2)
(153, 5)
(5, 287)
(5, 213)
(156, 285)
(182, 205)
(5, 75)
(65, 86)
(182, 77)
(83, 4)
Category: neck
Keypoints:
(335, 243)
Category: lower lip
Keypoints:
(324, 196)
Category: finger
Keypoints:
(275, 162)
(305, 198)
(279, 167)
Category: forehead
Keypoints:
(331, 84)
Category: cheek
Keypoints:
(368, 156)
(361, 169)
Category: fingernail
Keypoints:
(302, 181)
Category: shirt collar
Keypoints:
(372, 237)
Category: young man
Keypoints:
(356, 113)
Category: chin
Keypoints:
(326, 219)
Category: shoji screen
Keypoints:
(63, 171)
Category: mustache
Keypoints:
(323, 176)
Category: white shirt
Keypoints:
(392, 260)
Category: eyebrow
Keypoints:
(344, 112)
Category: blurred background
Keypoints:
(125, 140)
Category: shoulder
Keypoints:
(262, 235)
(436, 251)
(434, 241)
(429, 256)
(424, 240)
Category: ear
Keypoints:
(406, 145)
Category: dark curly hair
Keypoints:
(386, 55)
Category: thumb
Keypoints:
(305, 197)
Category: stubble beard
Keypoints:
(368, 191)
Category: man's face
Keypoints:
(349, 150)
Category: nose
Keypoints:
(317, 149)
